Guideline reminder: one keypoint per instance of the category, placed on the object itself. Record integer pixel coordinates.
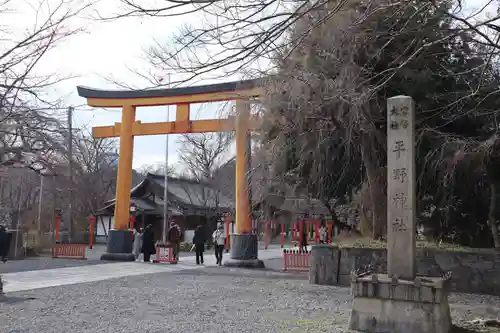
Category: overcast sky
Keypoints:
(109, 49)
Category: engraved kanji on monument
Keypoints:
(401, 187)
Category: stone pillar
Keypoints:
(400, 301)
(401, 205)
(324, 264)
(120, 238)
(244, 244)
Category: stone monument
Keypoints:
(400, 301)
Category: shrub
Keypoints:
(186, 246)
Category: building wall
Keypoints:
(187, 223)
(103, 227)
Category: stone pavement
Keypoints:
(45, 261)
(26, 280)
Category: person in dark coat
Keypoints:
(4, 243)
(148, 243)
(303, 239)
(199, 244)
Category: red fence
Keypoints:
(296, 260)
(72, 251)
(309, 228)
(69, 251)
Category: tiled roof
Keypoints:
(181, 192)
(193, 193)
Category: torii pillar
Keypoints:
(244, 243)
(120, 239)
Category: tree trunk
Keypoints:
(335, 218)
(14, 216)
(378, 195)
(492, 216)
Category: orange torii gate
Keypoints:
(243, 243)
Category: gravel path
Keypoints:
(209, 300)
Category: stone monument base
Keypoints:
(389, 305)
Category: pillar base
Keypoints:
(120, 243)
(388, 305)
(252, 263)
(244, 252)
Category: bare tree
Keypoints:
(95, 167)
(242, 37)
(201, 155)
(156, 169)
(28, 119)
(232, 36)
(30, 131)
(18, 193)
(94, 163)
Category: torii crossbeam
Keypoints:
(243, 242)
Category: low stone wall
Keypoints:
(472, 272)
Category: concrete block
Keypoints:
(396, 316)
(389, 305)
(324, 264)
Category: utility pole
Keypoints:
(52, 220)
(165, 180)
(70, 171)
(3, 172)
(40, 198)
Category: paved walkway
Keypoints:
(29, 280)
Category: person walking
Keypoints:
(303, 239)
(219, 239)
(4, 243)
(199, 244)
(137, 242)
(322, 234)
(148, 243)
(174, 238)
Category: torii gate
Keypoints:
(243, 243)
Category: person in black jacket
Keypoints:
(148, 243)
(303, 238)
(4, 243)
(199, 244)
